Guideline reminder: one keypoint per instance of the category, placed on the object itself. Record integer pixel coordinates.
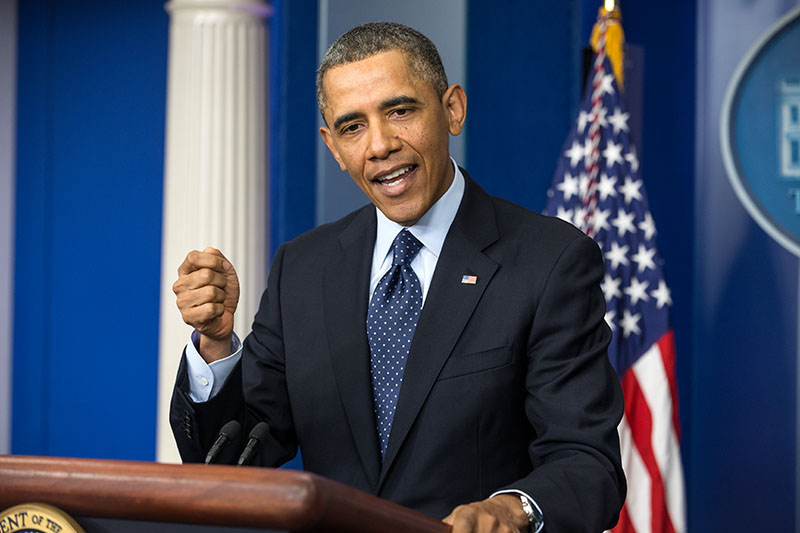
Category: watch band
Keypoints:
(530, 514)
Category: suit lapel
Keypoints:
(447, 309)
(346, 288)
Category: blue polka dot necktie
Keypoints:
(393, 314)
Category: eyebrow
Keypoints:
(386, 104)
(347, 117)
(398, 100)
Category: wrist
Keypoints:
(514, 506)
(214, 349)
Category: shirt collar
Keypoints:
(431, 229)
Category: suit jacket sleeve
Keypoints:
(259, 373)
(574, 400)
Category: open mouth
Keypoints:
(395, 177)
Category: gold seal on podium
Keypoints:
(37, 518)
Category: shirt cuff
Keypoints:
(538, 523)
(206, 380)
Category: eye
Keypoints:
(349, 129)
(401, 112)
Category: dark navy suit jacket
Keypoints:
(507, 383)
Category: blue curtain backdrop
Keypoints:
(90, 137)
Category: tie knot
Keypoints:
(406, 247)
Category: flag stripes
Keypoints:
(635, 514)
(647, 388)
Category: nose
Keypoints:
(382, 140)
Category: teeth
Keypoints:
(394, 174)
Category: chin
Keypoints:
(404, 219)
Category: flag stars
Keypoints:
(599, 118)
(618, 255)
(601, 219)
(612, 153)
(648, 226)
(569, 186)
(619, 120)
(644, 258)
(630, 323)
(637, 291)
(580, 218)
(583, 118)
(564, 214)
(610, 287)
(631, 158)
(631, 189)
(624, 222)
(662, 295)
(575, 153)
(589, 146)
(607, 84)
(606, 187)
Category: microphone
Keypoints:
(228, 433)
(256, 435)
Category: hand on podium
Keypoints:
(502, 513)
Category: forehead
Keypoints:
(370, 81)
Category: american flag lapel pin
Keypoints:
(469, 280)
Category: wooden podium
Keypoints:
(229, 496)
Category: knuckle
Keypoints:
(212, 309)
(461, 510)
(212, 293)
(219, 294)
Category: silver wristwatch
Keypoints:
(534, 518)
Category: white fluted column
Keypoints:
(215, 165)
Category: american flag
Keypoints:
(598, 188)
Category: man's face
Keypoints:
(389, 130)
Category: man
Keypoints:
(440, 348)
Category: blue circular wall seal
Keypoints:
(760, 131)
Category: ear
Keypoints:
(454, 102)
(327, 138)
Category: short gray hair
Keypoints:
(373, 38)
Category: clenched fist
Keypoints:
(207, 293)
